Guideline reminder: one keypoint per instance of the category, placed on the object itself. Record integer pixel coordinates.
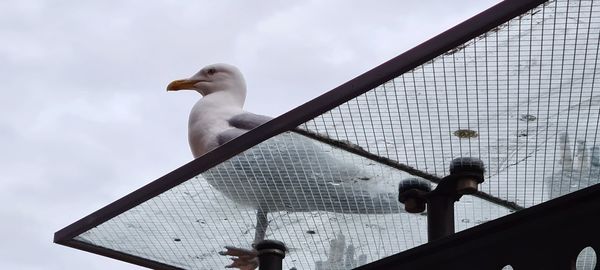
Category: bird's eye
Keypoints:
(211, 71)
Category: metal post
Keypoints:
(270, 254)
(466, 174)
(440, 216)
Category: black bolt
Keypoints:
(467, 165)
(411, 192)
(468, 173)
(414, 183)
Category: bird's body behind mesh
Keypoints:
(291, 173)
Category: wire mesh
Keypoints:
(520, 97)
(327, 222)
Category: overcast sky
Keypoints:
(85, 118)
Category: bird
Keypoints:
(288, 172)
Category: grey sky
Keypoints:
(85, 115)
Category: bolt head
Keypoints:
(468, 172)
(411, 192)
(414, 183)
(467, 164)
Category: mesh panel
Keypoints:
(187, 225)
(520, 97)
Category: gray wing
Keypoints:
(240, 124)
(248, 120)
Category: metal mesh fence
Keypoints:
(324, 221)
(520, 97)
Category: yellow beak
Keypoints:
(182, 84)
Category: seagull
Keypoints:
(288, 172)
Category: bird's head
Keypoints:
(211, 79)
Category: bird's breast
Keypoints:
(204, 126)
(204, 138)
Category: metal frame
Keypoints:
(546, 236)
(395, 67)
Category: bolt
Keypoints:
(411, 192)
(469, 174)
